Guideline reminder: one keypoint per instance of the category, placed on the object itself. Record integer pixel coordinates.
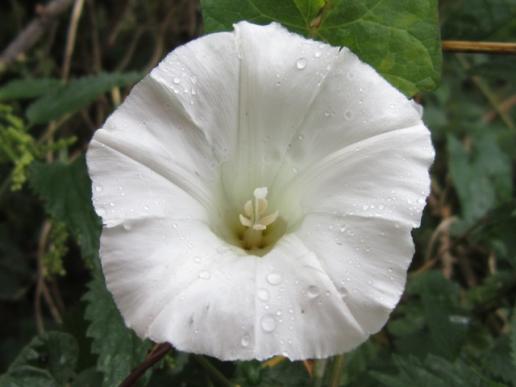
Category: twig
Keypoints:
(34, 30)
(70, 39)
(479, 47)
(154, 356)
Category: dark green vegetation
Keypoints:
(456, 323)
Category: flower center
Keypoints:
(258, 229)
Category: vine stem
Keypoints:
(152, 358)
(479, 47)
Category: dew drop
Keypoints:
(98, 188)
(268, 323)
(176, 80)
(300, 137)
(204, 275)
(327, 114)
(312, 291)
(274, 278)
(101, 212)
(317, 54)
(301, 63)
(197, 259)
(112, 204)
(245, 341)
(263, 294)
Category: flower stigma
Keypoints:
(255, 220)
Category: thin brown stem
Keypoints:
(34, 30)
(479, 47)
(154, 356)
(72, 34)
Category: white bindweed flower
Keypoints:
(258, 190)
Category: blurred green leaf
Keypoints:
(28, 88)
(513, 338)
(479, 19)
(498, 363)
(66, 190)
(445, 319)
(400, 39)
(481, 173)
(284, 374)
(48, 360)
(434, 372)
(118, 348)
(75, 95)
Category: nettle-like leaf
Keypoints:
(66, 190)
(481, 173)
(75, 95)
(400, 39)
(118, 348)
(28, 88)
(48, 360)
(434, 371)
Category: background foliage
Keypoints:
(456, 323)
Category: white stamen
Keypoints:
(253, 212)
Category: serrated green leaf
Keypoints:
(434, 371)
(75, 95)
(66, 191)
(48, 360)
(446, 321)
(481, 173)
(497, 361)
(400, 39)
(118, 348)
(28, 88)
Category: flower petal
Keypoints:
(280, 74)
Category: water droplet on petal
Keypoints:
(176, 80)
(263, 294)
(197, 259)
(274, 278)
(312, 291)
(245, 341)
(268, 323)
(98, 188)
(317, 54)
(204, 275)
(301, 63)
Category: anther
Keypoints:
(254, 211)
